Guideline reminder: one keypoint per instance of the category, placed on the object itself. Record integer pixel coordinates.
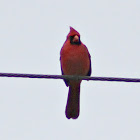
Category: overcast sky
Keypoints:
(31, 36)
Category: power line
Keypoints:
(69, 77)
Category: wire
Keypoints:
(69, 77)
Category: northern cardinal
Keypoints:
(75, 60)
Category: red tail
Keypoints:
(73, 102)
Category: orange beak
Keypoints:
(76, 38)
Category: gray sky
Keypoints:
(31, 36)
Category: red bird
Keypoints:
(75, 60)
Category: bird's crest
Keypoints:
(73, 32)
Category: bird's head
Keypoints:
(74, 37)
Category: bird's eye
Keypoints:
(71, 38)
